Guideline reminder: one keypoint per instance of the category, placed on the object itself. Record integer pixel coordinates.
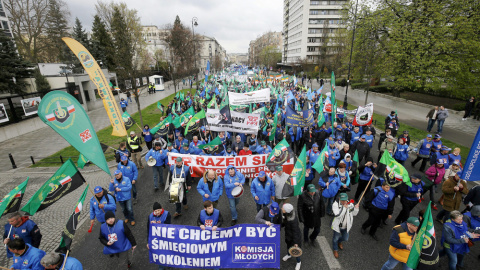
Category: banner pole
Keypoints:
(368, 185)
(65, 260)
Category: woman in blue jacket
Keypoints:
(210, 187)
(401, 153)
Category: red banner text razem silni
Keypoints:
(249, 166)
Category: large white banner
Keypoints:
(226, 120)
(258, 96)
(249, 166)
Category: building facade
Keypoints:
(309, 29)
(210, 50)
(4, 23)
(256, 46)
(238, 58)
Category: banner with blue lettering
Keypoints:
(292, 118)
(240, 246)
(471, 170)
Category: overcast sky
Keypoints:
(232, 22)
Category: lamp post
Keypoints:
(194, 23)
(345, 102)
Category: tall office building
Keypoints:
(4, 24)
(309, 26)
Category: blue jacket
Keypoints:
(148, 137)
(159, 157)
(212, 219)
(130, 170)
(331, 154)
(217, 189)
(311, 174)
(313, 155)
(230, 181)
(30, 259)
(123, 104)
(125, 186)
(194, 147)
(383, 199)
(179, 144)
(109, 205)
(333, 186)
(264, 194)
(344, 180)
(366, 173)
(445, 159)
(452, 236)
(424, 148)
(72, 263)
(260, 150)
(369, 139)
(23, 231)
(189, 151)
(355, 136)
(402, 152)
(414, 189)
(452, 158)
(122, 244)
(165, 156)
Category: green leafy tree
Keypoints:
(12, 66)
(79, 34)
(56, 28)
(41, 82)
(102, 43)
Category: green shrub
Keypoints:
(459, 107)
(359, 85)
(383, 88)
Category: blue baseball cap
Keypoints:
(429, 135)
(363, 136)
(123, 158)
(274, 208)
(97, 189)
(117, 172)
(261, 174)
(315, 145)
(339, 137)
(445, 148)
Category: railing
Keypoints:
(51, 160)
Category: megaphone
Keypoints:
(151, 161)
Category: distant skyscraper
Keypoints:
(4, 23)
(306, 26)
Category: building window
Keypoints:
(314, 3)
(311, 49)
(313, 12)
(312, 40)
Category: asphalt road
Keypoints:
(361, 251)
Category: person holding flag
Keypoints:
(410, 196)
(401, 241)
(55, 261)
(117, 238)
(19, 226)
(453, 190)
(381, 205)
(100, 203)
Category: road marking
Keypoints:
(332, 262)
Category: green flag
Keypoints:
(64, 114)
(162, 125)
(321, 116)
(334, 111)
(182, 96)
(322, 161)
(72, 225)
(212, 102)
(357, 175)
(296, 181)
(65, 180)
(160, 106)
(195, 119)
(332, 87)
(11, 202)
(81, 161)
(212, 144)
(390, 168)
(183, 119)
(424, 252)
(277, 151)
(127, 120)
(273, 131)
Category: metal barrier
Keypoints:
(54, 159)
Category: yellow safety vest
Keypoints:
(401, 255)
(130, 141)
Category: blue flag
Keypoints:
(471, 170)
(319, 91)
(308, 118)
(290, 96)
(207, 72)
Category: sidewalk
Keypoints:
(45, 142)
(411, 113)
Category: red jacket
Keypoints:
(244, 153)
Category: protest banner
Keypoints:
(364, 115)
(226, 120)
(258, 96)
(240, 246)
(249, 166)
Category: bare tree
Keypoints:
(28, 18)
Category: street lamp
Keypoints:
(345, 103)
(194, 23)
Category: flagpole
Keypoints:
(11, 226)
(368, 185)
(65, 260)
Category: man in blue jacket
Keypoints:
(210, 187)
(101, 203)
(25, 255)
(55, 260)
(333, 155)
(263, 190)
(19, 226)
(410, 196)
(330, 184)
(122, 187)
(381, 205)
(129, 169)
(231, 180)
(263, 148)
(180, 141)
(123, 105)
(158, 154)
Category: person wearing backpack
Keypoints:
(101, 203)
(380, 202)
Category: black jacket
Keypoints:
(362, 148)
(292, 232)
(310, 210)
